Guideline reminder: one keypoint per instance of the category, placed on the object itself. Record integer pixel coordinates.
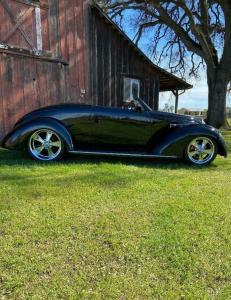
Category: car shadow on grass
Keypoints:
(18, 158)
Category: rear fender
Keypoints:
(174, 144)
(18, 137)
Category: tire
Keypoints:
(201, 151)
(45, 145)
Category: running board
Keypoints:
(118, 154)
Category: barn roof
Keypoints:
(168, 81)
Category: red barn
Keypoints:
(56, 51)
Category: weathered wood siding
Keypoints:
(58, 74)
(81, 58)
(27, 84)
(111, 59)
(72, 45)
(18, 23)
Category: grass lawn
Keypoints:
(114, 229)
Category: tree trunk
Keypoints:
(217, 86)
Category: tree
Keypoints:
(191, 33)
(168, 108)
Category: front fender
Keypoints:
(17, 138)
(176, 141)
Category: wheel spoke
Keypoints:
(39, 139)
(39, 149)
(204, 155)
(208, 151)
(193, 153)
(48, 136)
(56, 144)
(50, 153)
(204, 144)
(195, 144)
(201, 156)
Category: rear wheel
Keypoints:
(45, 145)
(201, 151)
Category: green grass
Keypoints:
(114, 229)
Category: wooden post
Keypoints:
(38, 26)
(157, 94)
(176, 101)
(177, 94)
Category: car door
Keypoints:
(122, 128)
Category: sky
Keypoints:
(195, 98)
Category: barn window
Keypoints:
(25, 24)
(131, 89)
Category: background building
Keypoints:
(70, 51)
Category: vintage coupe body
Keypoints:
(136, 132)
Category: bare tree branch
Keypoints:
(186, 35)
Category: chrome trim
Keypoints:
(117, 154)
(45, 145)
(201, 150)
(173, 125)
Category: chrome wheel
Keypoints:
(201, 151)
(45, 145)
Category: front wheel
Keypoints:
(45, 145)
(201, 151)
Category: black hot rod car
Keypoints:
(134, 131)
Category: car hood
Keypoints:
(176, 118)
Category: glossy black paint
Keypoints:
(94, 128)
(17, 138)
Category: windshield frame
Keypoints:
(144, 105)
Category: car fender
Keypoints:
(177, 140)
(17, 138)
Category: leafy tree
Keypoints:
(191, 34)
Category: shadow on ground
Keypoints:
(16, 158)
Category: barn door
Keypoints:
(24, 24)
